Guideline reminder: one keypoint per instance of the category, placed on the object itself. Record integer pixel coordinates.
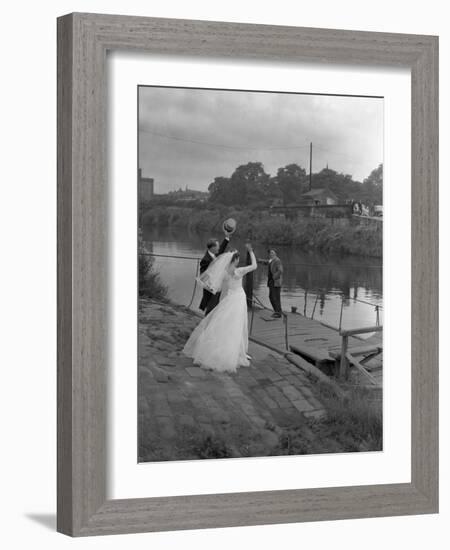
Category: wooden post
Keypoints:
(346, 334)
(251, 320)
(248, 284)
(342, 310)
(343, 371)
(310, 166)
(286, 333)
(315, 303)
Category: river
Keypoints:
(312, 282)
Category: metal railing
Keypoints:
(376, 307)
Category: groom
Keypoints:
(209, 300)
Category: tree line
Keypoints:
(249, 185)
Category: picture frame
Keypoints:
(83, 41)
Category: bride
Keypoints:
(220, 340)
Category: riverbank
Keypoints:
(268, 409)
(306, 233)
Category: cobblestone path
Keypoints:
(187, 412)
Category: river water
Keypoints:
(312, 282)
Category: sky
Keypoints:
(187, 137)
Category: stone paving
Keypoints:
(187, 412)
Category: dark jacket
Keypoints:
(204, 264)
(275, 273)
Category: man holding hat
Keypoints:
(209, 300)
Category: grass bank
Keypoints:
(307, 234)
(353, 425)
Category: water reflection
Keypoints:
(312, 282)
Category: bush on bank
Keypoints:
(150, 284)
(308, 234)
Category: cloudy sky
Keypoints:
(189, 136)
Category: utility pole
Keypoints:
(310, 166)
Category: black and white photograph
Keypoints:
(260, 260)
(223, 264)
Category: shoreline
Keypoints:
(320, 235)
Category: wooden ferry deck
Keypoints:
(316, 342)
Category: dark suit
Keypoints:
(274, 279)
(209, 300)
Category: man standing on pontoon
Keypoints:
(274, 281)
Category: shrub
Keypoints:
(149, 282)
(212, 447)
(359, 419)
(306, 233)
(353, 425)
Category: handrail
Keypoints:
(377, 308)
(169, 256)
(343, 296)
(259, 260)
(365, 330)
(364, 302)
(344, 363)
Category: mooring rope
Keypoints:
(301, 264)
(195, 285)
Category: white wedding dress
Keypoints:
(220, 341)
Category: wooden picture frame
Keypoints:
(83, 41)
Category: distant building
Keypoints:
(146, 187)
(186, 195)
(276, 202)
(317, 197)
